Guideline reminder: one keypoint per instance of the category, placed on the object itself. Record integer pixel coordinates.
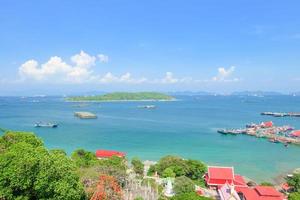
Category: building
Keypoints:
(217, 177)
(267, 124)
(260, 193)
(103, 154)
(227, 192)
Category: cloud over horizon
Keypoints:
(80, 70)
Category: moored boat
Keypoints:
(45, 125)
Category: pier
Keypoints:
(282, 114)
(85, 115)
(275, 134)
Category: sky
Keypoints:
(67, 47)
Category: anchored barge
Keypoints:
(85, 115)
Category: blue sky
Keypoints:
(57, 47)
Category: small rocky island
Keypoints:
(123, 96)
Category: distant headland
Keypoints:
(123, 96)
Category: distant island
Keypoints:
(124, 96)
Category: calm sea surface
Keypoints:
(186, 127)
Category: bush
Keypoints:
(294, 181)
(266, 184)
(189, 196)
(138, 166)
(168, 173)
(294, 196)
(83, 158)
(183, 185)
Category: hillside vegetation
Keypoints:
(124, 96)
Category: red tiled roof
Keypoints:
(261, 193)
(296, 133)
(239, 180)
(267, 191)
(108, 153)
(217, 176)
(221, 173)
(267, 124)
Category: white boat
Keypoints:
(45, 125)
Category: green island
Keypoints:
(124, 96)
(28, 170)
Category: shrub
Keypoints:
(183, 185)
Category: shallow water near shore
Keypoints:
(186, 128)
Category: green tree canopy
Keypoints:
(84, 158)
(294, 181)
(193, 169)
(168, 173)
(183, 185)
(189, 196)
(29, 171)
(138, 166)
(294, 196)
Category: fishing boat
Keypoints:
(274, 140)
(147, 106)
(45, 125)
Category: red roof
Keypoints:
(221, 173)
(267, 124)
(261, 193)
(108, 154)
(218, 176)
(296, 133)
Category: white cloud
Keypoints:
(103, 58)
(225, 74)
(125, 78)
(55, 69)
(83, 59)
(169, 78)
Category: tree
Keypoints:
(196, 169)
(183, 185)
(177, 164)
(138, 166)
(83, 158)
(168, 173)
(294, 181)
(294, 196)
(29, 171)
(189, 196)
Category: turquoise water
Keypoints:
(186, 127)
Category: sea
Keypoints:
(186, 127)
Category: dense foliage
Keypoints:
(183, 185)
(294, 196)
(294, 181)
(189, 196)
(138, 166)
(29, 171)
(83, 158)
(123, 96)
(173, 165)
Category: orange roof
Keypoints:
(267, 191)
(109, 153)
